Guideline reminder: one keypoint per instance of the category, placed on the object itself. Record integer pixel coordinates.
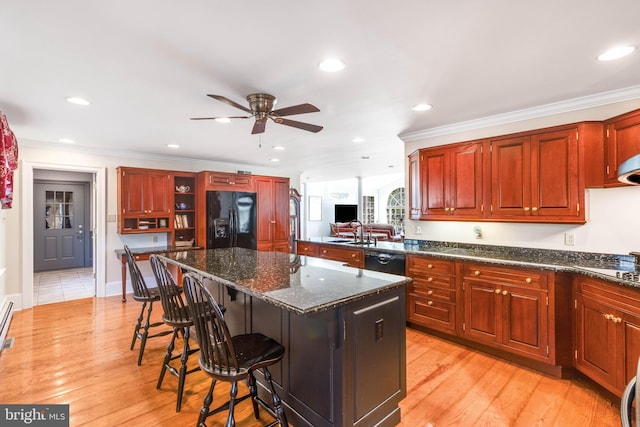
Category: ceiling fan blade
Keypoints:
(296, 109)
(299, 125)
(258, 126)
(230, 102)
(221, 117)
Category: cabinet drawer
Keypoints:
(309, 249)
(431, 313)
(624, 298)
(508, 276)
(435, 293)
(354, 257)
(433, 280)
(427, 266)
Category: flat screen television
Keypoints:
(345, 213)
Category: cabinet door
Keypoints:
(431, 313)
(596, 349)
(555, 189)
(132, 194)
(273, 212)
(414, 185)
(510, 177)
(630, 331)
(525, 320)
(435, 181)
(623, 141)
(482, 311)
(158, 193)
(465, 181)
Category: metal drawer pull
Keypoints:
(505, 293)
(477, 272)
(497, 291)
(353, 255)
(430, 266)
(430, 292)
(430, 279)
(324, 251)
(528, 280)
(429, 302)
(607, 316)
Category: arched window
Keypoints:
(395, 208)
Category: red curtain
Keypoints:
(8, 162)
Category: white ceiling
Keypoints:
(146, 66)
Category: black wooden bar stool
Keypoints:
(176, 315)
(147, 296)
(231, 359)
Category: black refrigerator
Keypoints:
(231, 219)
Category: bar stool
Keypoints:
(231, 359)
(147, 296)
(176, 315)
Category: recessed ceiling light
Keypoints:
(331, 65)
(422, 107)
(223, 119)
(365, 157)
(357, 139)
(173, 146)
(278, 147)
(77, 101)
(616, 53)
(275, 160)
(390, 166)
(66, 140)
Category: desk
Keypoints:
(143, 254)
(343, 329)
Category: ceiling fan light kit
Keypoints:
(261, 108)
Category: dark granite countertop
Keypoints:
(618, 269)
(292, 282)
(157, 250)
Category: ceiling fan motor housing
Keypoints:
(261, 103)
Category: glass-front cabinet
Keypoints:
(294, 218)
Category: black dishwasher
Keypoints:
(384, 262)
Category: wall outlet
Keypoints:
(569, 239)
(111, 218)
(155, 239)
(418, 229)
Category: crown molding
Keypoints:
(581, 103)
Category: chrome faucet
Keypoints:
(361, 230)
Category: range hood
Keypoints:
(629, 170)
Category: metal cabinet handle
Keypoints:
(430, 292)
(353, 255)
(534, 209)
(476, 273)
(324, 251)
(306, 249)
(505, 293)
(607, 316)
(526, 208)
(430, 279)
(528, 280)
(497, 291)
(429, 302)
(430, 266)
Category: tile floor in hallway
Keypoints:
(62, 285)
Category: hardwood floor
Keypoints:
(77, 353)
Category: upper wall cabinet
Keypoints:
(451, 182)
(223, 181)
(535, 178)
(622, 142)
(144, 200)
(414, 185)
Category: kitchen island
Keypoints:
(343, 329)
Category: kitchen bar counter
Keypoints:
(618, 269)
(343, 329)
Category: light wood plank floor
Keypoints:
(77, 352)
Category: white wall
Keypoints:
(11, 221)
(612, 214)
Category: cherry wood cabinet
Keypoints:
(431, 297)
(452, 182)
(224, 181)
(273, 213)
(414, 185)
(507, 308)
(535, 177)
(145, 200)
(607, 332)
(622, 142)
(352, 256)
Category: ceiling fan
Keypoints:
(261, 107)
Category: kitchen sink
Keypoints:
(351, 242)
(339, 241)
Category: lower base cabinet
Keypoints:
(507, 308)
(607, 332)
